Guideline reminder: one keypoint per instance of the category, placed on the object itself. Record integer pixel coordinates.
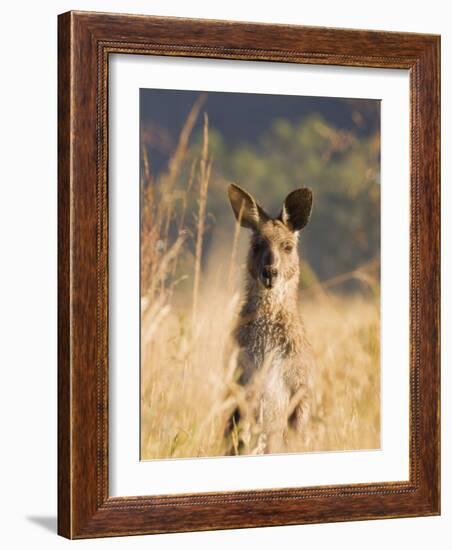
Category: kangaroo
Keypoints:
(274, 358)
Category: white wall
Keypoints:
(28, 268)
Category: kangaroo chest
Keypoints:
(269, 336)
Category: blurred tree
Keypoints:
(342, 168)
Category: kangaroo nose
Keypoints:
(269, 273)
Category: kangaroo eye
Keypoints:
(256, 247)
(288, 247)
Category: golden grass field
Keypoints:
(187, 311)
(185, 379)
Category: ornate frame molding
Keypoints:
(85, 42)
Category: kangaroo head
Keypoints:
(273, 255)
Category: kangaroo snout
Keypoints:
(269, 275)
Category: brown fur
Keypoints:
(274, 359)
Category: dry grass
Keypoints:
(185, 380)
(187, 371)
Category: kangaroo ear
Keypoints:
(297, 209)
(246, 209)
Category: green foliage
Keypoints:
(342, 169)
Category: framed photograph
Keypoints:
(248, 275)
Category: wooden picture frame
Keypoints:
(85, 42)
